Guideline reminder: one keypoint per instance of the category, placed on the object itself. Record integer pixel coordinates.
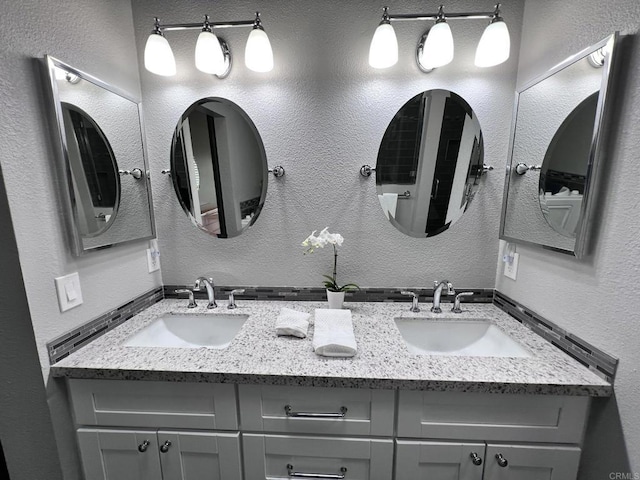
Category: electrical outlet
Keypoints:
(153, 256)
(511, 268)
(69, 293)
(153, 260)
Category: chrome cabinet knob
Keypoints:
(165, 446)
(475, 458)
(501, 460)
(143, 446)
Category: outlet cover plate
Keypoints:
(69, 292)
(511, 269)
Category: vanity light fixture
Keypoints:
(435, 48)
(212, 54)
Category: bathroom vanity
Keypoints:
(268, 407)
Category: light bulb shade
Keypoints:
(437, 50)
(158, 57)
(383, 52)
(494, 45)
(258, 55)
(209, 56)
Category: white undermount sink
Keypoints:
(454, 337)
(182, 330)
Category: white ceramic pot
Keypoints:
(336, 299)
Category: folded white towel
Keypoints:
(333, 334)
(292, 322)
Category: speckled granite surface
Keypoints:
(257, 355)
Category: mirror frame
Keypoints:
(68, 196)
(595, 150)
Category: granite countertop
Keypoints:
(257, 355)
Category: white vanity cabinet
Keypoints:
(175, 431)
(189, 430)
(506, 437)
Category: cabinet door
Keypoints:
(119, 454)
(531, 462)
(199, 455)
(439, 460)
(289, 456)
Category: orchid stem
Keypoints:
(335, 264)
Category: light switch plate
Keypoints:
(511, 269)
(69, 292)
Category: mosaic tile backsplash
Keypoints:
(599, 362)
(69, 342)
(316, 294)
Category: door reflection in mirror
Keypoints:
(564, 170)
(219, 167)
(430, 163)
(96, 182)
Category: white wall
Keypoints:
(595, 297)
(97, 37)
(321, 113)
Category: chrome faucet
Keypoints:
(192, 301)
(232, 300)
(208, 283)
(438, 291)
(414, 302)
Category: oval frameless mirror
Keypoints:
(219, 167)
(564, 169)
(430, 163)
(96, 182)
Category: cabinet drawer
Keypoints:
(280, 456)
(316, 410)
(500, 417)
(154, 404)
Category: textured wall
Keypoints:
(322, 113)
(592, 297)
(97, 37)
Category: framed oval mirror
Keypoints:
(219, 167)
(430, 163)
(94, 170)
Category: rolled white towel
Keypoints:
(292, 322)
(333, 334)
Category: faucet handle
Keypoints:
(414, 304)
(456, 304)
(232, 300)
(192, 301)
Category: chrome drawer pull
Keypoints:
(291, 413)
(333, 476)
(475, 459)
